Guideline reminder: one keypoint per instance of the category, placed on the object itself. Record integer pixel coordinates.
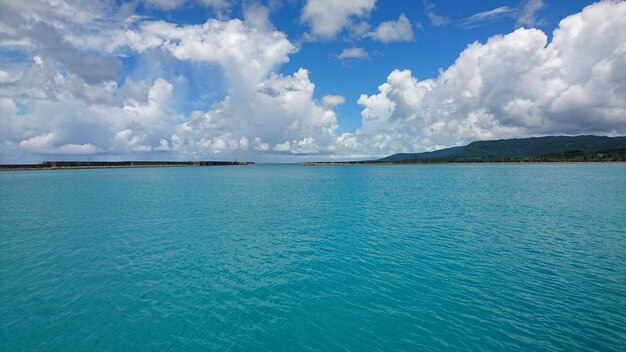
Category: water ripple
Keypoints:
(289, 258)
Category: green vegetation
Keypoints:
(577, 156)
(529, 150)
(541, 149)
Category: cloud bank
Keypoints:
(514, 85)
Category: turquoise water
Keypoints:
(291, 258)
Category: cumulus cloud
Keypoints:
(260, 104)
(328, 17)
(49, 28)
(66, 113)
(304, 146)
(512, 86)
(353, 53)
(330, 101)
(280, 111)
(245, 53)
(44, 144)
(400, 30)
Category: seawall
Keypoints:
(56, 165)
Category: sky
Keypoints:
(300, 80)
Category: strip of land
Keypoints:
(425, 162)
(61, 165)
(551, 149)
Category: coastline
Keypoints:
(373, 162)
(73, 165)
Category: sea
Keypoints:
(471, 257)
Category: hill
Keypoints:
(553, 148)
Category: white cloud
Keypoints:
(218, 5)
(280, 111)
(61, 113)
(487, 17)
(77, 149)
(245, 53)
(164, 4)
(358, 30)
(528, 14)
(39, 143)
(328, 17)
(525, 14)
(394, 31)
(435, 19)
(129, 141)
(304, 146)
(260, 145)
(353, 53)
(512, 86)
(330, 101)
(4, 76)
(76, 11)
(260, 104)
(257, 15)
(44, 144)
(50, 29)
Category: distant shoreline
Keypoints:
(73, 165)
(70, 165)
(374, 162)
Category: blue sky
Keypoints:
(433, 47)
(301, 80)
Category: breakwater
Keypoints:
(55, 165)
(374, 162)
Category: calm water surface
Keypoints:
(291, 258)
